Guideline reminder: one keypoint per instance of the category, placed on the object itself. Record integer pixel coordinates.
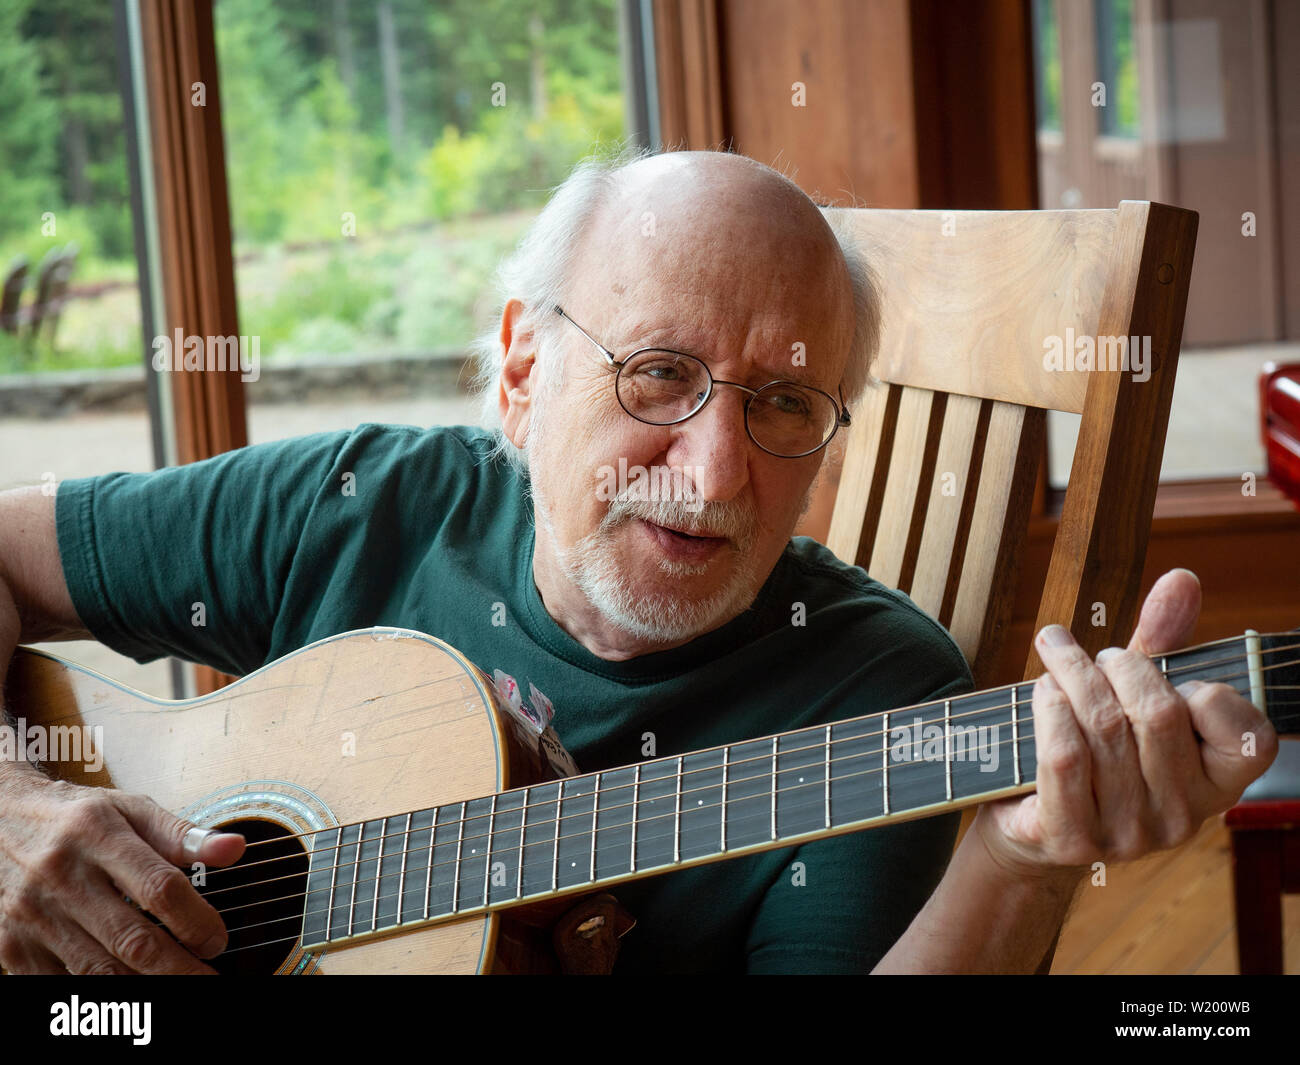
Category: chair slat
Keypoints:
(861, 488)
(899, 531)
(1012, 452)
(935, 569)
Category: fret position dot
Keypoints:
(699, 802)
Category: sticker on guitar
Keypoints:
(533, 723)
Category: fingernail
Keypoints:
(1107, 653)
(1055, 636)
(193, 842)
(1189, 687)
(1049, 683)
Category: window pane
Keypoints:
(1047, 59)
(1201, 112)
(73, 398)
(382, 156)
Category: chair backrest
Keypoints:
(11, 294)
(991, 318)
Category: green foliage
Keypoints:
(29, 132)
(323, 114)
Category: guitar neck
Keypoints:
(586, 832)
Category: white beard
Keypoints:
(592, 566)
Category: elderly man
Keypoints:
(690, 313)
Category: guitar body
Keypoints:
(346, 729)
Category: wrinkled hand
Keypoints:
(1127, 764)
(69, 854)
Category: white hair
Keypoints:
(537, 273)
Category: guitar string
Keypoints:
(765, 758)
(642, 822)
(793, 806)
(478, 909)
(340, 845)
(360, 845)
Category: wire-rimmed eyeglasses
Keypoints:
(663, 387)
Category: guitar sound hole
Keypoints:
(260, 898)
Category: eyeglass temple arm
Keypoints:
(609, 355)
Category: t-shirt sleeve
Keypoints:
(840, 904)
(191, 560)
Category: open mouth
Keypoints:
(680, 544)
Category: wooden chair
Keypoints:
(941, 462)
(943, 455)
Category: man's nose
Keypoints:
(715, 445)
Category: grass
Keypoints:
(417, 290)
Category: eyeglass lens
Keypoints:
(665, 387)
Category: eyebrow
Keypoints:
(665, 337)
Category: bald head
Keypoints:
(720, 230)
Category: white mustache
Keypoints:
(732, 521)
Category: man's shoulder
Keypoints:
(852, 604)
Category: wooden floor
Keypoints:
(1168, 913)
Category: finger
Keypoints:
(1168, 752)
(157, 885)
(79, 951)
(1169, 614)
(24, 958)
(1066, 807)
(1116, 773)
(131, 938)
(1239, 742)
(176, 839)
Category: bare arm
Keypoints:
(1018, 917)
(69, 854)
(34, 599)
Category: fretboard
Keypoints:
(597, 829)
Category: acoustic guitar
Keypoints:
(402, 818)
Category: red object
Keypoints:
(1279, 407)
(1265, 866)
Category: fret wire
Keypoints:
(677, 815)
(334, 875)
(523, 836)
(774, 787)
(356, 871)
(636, 797)
(595, 810)
(555, 857)
(828, 776)
(401, 879)
(947, 747)
(726, 751)
(379, 869)
(487, 860)
(455, 871)
(428, 872)
(1015, 730)
(884, 760)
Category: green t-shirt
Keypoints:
(289, 542)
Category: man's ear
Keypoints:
(515, 387)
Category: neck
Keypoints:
(569, 836)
